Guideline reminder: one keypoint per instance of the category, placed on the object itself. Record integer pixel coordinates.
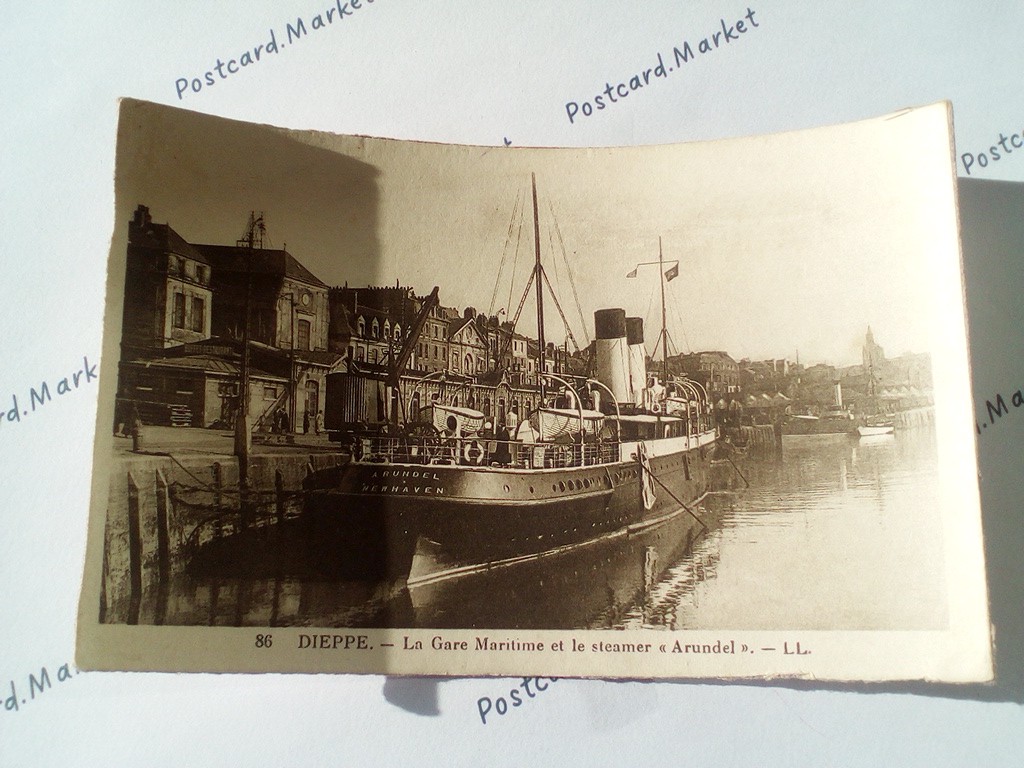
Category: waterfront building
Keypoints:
(168, 297)
(467, 346)
(182, 354)
(371, 324)
(288, 311)
(715, 370)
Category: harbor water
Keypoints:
(833, 532)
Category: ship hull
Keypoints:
(475, 515)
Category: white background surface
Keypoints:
(472, 72)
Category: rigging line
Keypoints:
(515, 258)
(204, 485)
(558, 282)
(647, 317)
(682, 326)
(515, 320)
(668, 490)
(551, 248)
(568, 268)
(568, 331)
(504, 254)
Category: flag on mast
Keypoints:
(672, 273)
(633, 273)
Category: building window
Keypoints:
(178, 316)
(198, 314)
(361, 328)
(269, 393)
(398, 332)
(375, 329)
(387, 329)
(303, 334)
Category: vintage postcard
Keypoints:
(671, 411)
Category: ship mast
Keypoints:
(537, 275)
(663, 278)
(664, 323)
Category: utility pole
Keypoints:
(243, 424)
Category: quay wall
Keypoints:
(915, 417)
(161, 508)
(758, 435)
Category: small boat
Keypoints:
(880, 428)
(835, 422)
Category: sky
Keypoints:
(788, 245)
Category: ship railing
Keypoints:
(482, 451)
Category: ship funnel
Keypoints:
(613, 353)
(637, 358)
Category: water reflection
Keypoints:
(836, 534)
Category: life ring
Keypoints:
(473, 452)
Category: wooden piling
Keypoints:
(163, 548)
(279, 496)
(218, 499)
(134, 552)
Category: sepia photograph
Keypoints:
(667, 411)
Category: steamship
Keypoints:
(614, 454)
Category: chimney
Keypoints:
(612, 352)
(142, 217)
(637, 358)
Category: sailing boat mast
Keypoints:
(537, 275)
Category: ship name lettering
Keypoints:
(420, 489)
(718, 647)
(401, 475)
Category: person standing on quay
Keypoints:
(318, 424)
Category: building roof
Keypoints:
(454, 326)
(261, 261)
(318, 357)
(161, 237)
(209, 364)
